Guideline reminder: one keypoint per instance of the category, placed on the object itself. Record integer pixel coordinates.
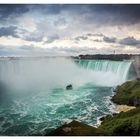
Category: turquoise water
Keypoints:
(36, 100)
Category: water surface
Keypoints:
(36, 101)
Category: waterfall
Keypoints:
(34, 90)
(118, 68)
(60, 72)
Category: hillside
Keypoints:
(128, 93)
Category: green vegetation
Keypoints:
(76, 128)
(122, 124)
(128, 93)
(114, 57)
(125, 123)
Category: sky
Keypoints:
(69, 29)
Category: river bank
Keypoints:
(125, 123)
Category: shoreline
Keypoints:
(121, 123)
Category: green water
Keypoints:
(36, 100)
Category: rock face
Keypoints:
(69, 87)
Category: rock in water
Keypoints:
(69, 87)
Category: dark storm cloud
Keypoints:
(58, 8)
(109, 39)
(8, 31)
(130, 41)
(7, 10)
(90, 14)
(49, 8)
(105, 14)
(117, 14)
(114, 14)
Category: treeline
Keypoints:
(115, 57)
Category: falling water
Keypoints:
(118, 69)
(36, 100)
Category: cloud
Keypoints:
(25, 47)
(69, 25)
(105, 13)
(8, 11)
(109, 39)
(61, 23)
(112, 14)
(52, 38)
(33, 37)
(96, 38)
(108, 14)
(21, 51)
(97, 34)
(86, 37)
(8, 31)
(130, 41)
(78, 38)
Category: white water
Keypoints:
(39, 98)
(51, 73)
(107, 73)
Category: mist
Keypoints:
(35, 91)
(52, 73)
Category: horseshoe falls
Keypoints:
(113, 72)
(34, 99)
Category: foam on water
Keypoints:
(38, 99)
(115, 72)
